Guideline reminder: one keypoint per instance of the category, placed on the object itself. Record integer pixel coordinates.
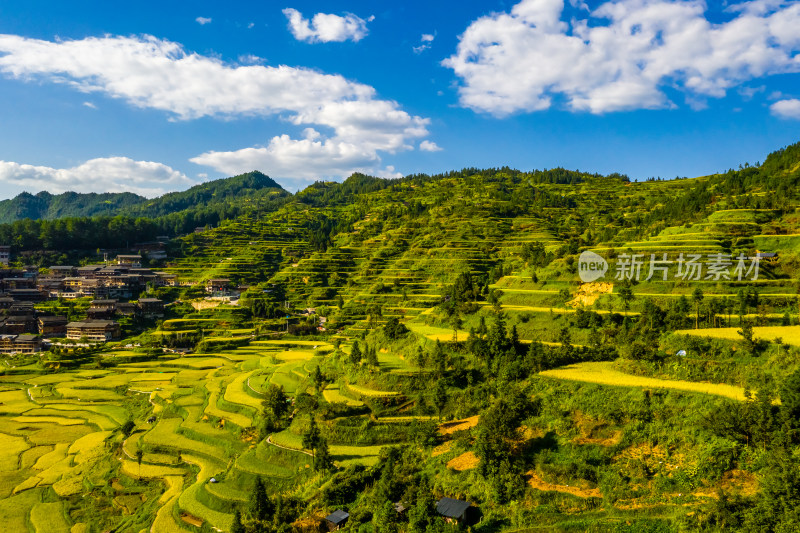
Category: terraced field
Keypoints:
(603, 373)
(56, 429)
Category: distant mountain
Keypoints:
(69, 204)
(226, 190)
(48, 206)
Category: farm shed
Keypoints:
(453, 510)
(336, 519)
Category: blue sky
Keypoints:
(158, 96)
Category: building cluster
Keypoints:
(125, 279)
(22, 327)
(455, 512)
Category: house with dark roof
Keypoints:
(336, 519)
(93, 330)
(133, 260)
(20, 343)
(102, 308)
(453, 510)
(53, 325)
(62, 271)
(127, 309)
(218, 286)
(18, 324)
(151, 307)
(28, 295)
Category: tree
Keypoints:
(626, 295)
(139, 455)
(127, 428)
(536, 357)
(261, 507)
(394, 329)
(564, 296)
(456, 323)
(422, 514)
(494, 298)
(565, 339)
(440, 397)
(311, 437)
(697, 297)
(372, 355)
(322, 457)
(750, 344)
(464, 289)
(482, 329)
(237, 526)
(497, 340)
(439, 359)
(355, 354)
(790, 398)
(513, 337)
(385, 520)
(319, 380)
(498, 427)
(275, 400)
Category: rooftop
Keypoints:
(452, 508)
(337, 517)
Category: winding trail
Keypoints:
(269, 441)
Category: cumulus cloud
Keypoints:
(425, 42)
(298, 161)
(786, 109)
(429, 146)
(203, 20)
(158, 74)
(620, 56)
(114, 174)
(325, 28)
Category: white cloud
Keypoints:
(425, 43)
(621, 56)
(251, 59)
(251, 25)
(111, 174)
(786, 109)
(90, 105)
(203, 20)
(298, 161)
(429, 146)
(325, 28)
(747, 93)
(158, 74)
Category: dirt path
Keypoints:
(269, 441)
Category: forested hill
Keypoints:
(584, 209)
(46, 206)
(250, 186)
(69, 204)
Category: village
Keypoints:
(113, 290)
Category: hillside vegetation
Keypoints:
(386, 342)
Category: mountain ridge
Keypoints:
(47, 206)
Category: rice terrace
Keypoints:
(303, 269)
